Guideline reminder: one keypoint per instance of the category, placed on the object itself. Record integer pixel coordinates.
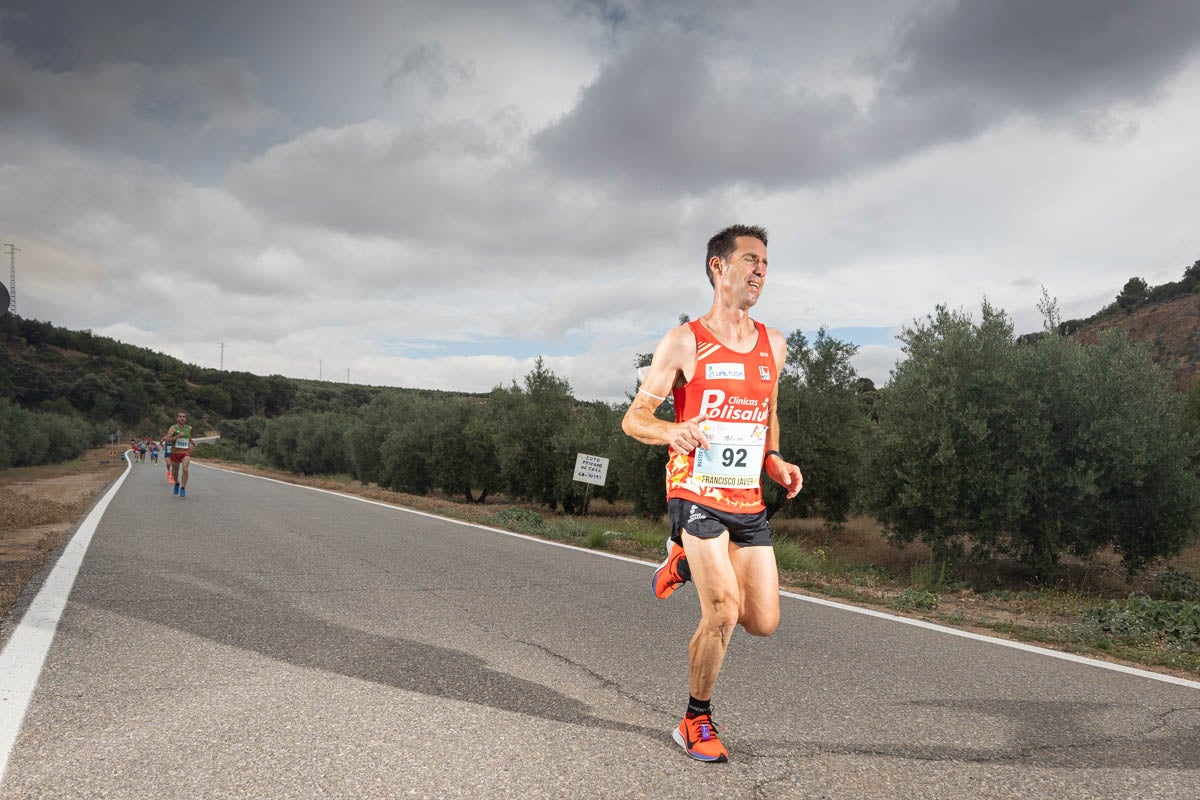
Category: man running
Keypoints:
(180, 438)
(722, 371)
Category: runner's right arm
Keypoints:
(676, 351)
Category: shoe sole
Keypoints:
(679, 740)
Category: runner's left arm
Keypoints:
(784, 473)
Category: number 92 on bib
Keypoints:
(735, 458)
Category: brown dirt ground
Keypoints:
(40, 506)
(1171, 330)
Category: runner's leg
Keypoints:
(758, 583)
(720, 600)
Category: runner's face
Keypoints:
(746, 270)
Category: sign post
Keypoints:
(590, 470)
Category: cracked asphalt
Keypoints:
(260, 640)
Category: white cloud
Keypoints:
(876, 362)
(436, 194)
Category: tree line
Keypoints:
(981, 444)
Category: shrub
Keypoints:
(29, 438)
(791, 557)
(1173, 585)
(522, 519)
(1141, 618)
(911, 599)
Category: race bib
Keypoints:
(181, 443)
(735, 459)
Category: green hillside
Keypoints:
(114, 385)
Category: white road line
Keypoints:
(919, 623)
(979, 637)
(22, 658)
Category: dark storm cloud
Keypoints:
(102, 83)
(671, 114)
(187, 85)
(661, 117)
(1045, 58)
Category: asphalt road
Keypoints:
(261, 640)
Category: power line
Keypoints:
(12, 277)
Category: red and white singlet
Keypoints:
(734, 390)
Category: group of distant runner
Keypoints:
(140, 448)
(176, 447)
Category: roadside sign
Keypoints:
(591, 469)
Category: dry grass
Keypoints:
(860, 541)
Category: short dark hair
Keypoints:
(724, 243)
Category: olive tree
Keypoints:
(823, 423)
(1034, 449)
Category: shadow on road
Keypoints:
(289, 635)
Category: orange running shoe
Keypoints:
(672, 573)
(698, 737)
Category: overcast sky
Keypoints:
(432, 194)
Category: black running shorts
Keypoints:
(745, 530)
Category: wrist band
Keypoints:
(774, 453)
